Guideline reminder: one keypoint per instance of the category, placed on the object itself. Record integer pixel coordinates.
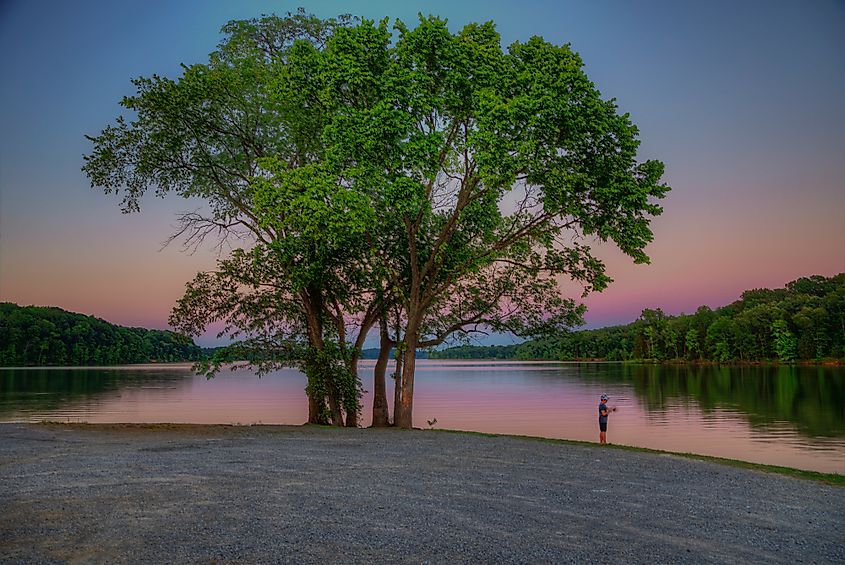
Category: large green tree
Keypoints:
(206, 135)
(429, 183)
(487, 169)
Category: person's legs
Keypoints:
(602, 433)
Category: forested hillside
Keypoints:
(803, 321)
(33, 335)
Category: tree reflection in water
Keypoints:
(30, 391)
(810, 398)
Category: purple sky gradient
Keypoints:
(741, 100)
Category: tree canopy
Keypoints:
(426, 182)
(488, 169)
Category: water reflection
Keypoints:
(45, 390)
(152, 393)
(791, 416)
(811, 398)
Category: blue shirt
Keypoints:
(603, 408)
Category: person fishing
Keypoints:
(604, 410)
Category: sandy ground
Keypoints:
(276, 494)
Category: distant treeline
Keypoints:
(33, 335)
(803, 321)
(372, 353)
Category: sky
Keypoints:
(742, 100)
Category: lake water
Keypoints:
(791, 416)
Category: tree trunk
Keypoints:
(313, 411)
(397, 389)
(352, 413)
(405, 419)
(397, 373)
(380, 410)
(334, 405)
(313, 302)
(351, 418)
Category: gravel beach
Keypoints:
(279, 494)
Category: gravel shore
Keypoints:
(278, 494)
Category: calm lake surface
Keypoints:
(791, 416)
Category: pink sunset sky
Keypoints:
(742, 102)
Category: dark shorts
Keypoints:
(602, 426)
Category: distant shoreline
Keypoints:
(139, 366)
(648, 362)
(673, 362)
